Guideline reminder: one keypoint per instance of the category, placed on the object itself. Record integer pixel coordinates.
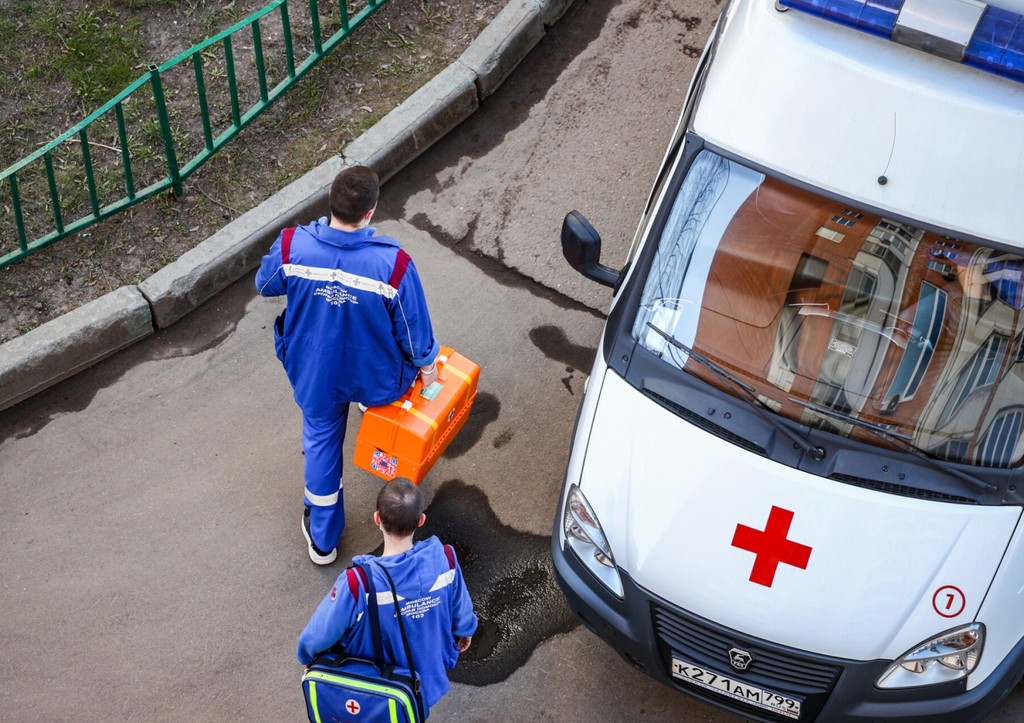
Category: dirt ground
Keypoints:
(397, 50)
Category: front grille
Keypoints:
(781, 670)
(705, 424)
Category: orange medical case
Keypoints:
(405, 438)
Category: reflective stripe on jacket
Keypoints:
(347, 334)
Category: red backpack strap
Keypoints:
(401, 264)
(286, 245)
(355, 575)
(450, 554)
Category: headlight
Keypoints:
(950, 656)
(584, 536)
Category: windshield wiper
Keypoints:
(903, 440)
(813, 451)
(877, 429)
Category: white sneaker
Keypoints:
(318, 556)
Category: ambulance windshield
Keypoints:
(820, 306)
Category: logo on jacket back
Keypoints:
(336, 295)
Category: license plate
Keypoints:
(738, 690)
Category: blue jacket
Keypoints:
(435, 605)
(347, 334)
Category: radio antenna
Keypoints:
(883, 179)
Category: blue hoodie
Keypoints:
(347, 335)
(435, 605)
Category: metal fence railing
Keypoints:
(166, 124)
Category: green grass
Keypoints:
(101, 55)
(59, 64)
(95, 52)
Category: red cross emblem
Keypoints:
(771, 547)
(352, 706)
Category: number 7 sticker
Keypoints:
(949, 601)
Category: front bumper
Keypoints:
(646, 631)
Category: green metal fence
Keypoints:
(220, 85)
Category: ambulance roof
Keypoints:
(838, 108)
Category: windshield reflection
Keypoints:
(807, 298)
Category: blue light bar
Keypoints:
(877, 17)
(996, 44)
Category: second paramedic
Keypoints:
(355, 329)
(436, 608)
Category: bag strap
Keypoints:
(450, 554)
(401, 627)
(286, 245)
(373, 615)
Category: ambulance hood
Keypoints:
(700, 523)
(836, 108)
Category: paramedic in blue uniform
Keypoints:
(432, 595)
(355, 329)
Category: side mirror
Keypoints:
(581, 246)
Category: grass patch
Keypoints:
(91, 56)
(101, 54)
(94, 50)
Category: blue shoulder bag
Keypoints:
(343, 688)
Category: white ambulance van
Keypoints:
(795, 485)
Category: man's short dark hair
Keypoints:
(400, 504)
(353, 194)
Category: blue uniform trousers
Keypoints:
(322, 441)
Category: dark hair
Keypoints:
(353, 194)
(400, 504)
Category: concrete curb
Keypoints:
(503, 44)
(65, 346)
(428, 115)
(227, 255)
(39, 359)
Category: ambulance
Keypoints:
(795, 487)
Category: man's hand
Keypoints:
(428, 375)
(463, 643)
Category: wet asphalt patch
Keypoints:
(493, 268)
(510, 578)
(554, 344)
(486, 408)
